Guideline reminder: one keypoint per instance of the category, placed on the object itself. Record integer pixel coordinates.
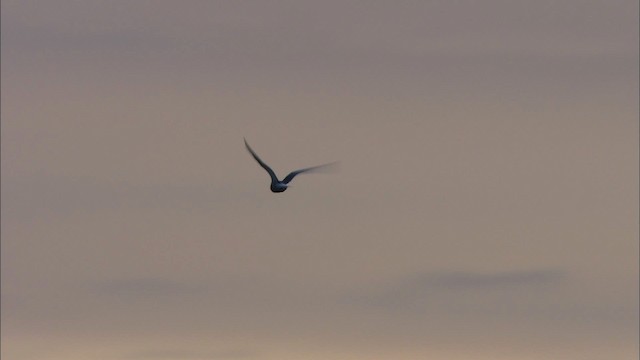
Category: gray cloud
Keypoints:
(430, 286)
(42, 197)
(186, 354)
(396, 49)
(146, 288)
(467, 280)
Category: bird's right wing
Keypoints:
(293, 174)
(274, 178)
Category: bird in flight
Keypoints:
(277, 185)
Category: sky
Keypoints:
(486, 205)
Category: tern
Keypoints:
(278, 186)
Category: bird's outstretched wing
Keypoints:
(293, 174)
(274, 178)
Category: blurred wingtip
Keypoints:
(331, 167)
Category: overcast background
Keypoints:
(486, 206)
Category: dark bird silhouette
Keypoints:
(277, 185)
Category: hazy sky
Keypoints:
(486, 207)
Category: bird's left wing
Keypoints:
(273, 176)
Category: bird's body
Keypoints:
(278, 186)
